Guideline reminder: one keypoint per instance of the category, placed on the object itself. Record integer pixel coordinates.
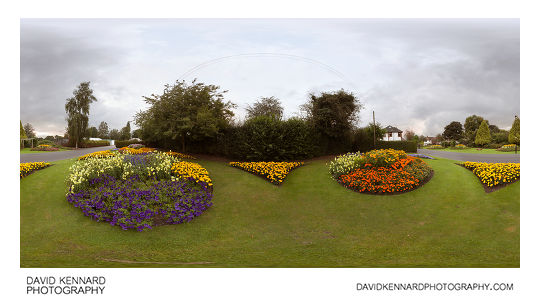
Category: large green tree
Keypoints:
(265, 106)
(332, 115)
(125, 132)
(92, 132)
(483, 136)
(513, 134)
(453, 131)
(471, 125)
(114, 134)
(184, 113)
(103, 130)
(78, 109)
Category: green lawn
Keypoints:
(310, 221)
(473, 151)
(27, 150)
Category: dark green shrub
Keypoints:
(407, 146)
(265, 138)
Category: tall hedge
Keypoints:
(265, 138)
(124, 143)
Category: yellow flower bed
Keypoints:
(492, 174)
(136, 151)
(275, 172)
(100, 154)
(44, 145)
(191, 170)
(180, 155)
(28, 168)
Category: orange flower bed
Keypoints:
(403, 175)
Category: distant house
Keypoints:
(392, 134)
(430, 140)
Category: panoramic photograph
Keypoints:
(269, 143)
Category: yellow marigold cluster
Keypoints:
(136, 151)
(180, 155)
(187, 170)
(44, 145)
(100, 154)
(28, 168)
(275, 172)
(492, 174)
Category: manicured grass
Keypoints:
(472, 151)
(308, 221)
(27, 150)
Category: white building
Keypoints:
(392, 134)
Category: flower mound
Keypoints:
(380, 171)
(139, 191)
(45, 148)
(28, 168)
(132, 205)
(100, 154)
(275, 172)
(494, 174)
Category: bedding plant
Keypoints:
(508, 148)
(30, 167)
(139, 190)
(275, 172)
(380, 171)
(494, 175)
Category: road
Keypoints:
(490, 158)
(55, 156)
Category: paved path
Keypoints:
(55, 156)
(491, 158)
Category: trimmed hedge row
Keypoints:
(407, 146)
(95, 143)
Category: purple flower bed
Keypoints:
(132, 204)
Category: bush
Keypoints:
(448, 143)
(124, 143)
(95, 143)
(435, 146)
(265, 138)
(407, 146)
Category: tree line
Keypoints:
(476, 131)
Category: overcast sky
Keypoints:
(415, 74)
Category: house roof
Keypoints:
(391, 129)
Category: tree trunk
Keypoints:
(184, 143)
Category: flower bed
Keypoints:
(275, 172)
(508, 148)
(380, 171)
(494, 175)
(30, 167)
(460, 146)
(435, 146)
(45, 148)
(139, 191)
(136, 151)
(100, 154)
(180, 155)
